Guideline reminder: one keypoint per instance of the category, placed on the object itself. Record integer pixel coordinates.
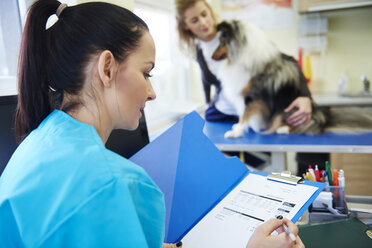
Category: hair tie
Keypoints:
(52, 89)
(60, 8)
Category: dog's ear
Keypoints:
(226, 30)
(224, 27)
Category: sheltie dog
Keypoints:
(260, 81)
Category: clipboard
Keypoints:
(193, 174)
(286, 177)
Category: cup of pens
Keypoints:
(338, 193)
(332, 199)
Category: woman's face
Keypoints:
(198, 19)
(133, 86)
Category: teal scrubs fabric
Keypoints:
(63, 188)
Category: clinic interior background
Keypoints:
(346, 48)
(343, 46)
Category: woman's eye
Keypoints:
(147, 75)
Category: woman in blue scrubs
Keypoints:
(79, 79)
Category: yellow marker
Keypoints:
(310, 177)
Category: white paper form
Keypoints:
(256, 199)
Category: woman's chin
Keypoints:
(134, 126)
(129, 126)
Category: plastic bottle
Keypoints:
(343, 84)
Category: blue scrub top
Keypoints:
(63, 188)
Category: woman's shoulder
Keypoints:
(121, 168)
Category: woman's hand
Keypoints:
(177, 245)
(303, 113)
(262, 235)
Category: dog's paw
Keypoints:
(283, 130)
(233, 134)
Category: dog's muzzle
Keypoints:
(220, 53)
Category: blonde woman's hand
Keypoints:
(262, 235)
(303, 113)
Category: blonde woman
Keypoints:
(196, 24)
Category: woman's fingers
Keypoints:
(269, 226)
(292, 227)
(177, 245)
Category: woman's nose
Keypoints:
(203, 22)
(151, 95)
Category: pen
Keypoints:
(286, 229)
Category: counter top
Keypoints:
(332, 99)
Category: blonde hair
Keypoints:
(186, 37)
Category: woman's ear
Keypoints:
(106, 68)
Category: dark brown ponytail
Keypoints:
(33, 96)
(52, 61)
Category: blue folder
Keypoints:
(193, 174)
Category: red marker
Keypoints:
(317, 174)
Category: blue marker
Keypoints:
(325, 176)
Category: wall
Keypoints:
(349, 48)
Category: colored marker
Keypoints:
(310, 176)
(335, 178)
(329, 173)
(325, 175)
(311, 170)
(322, 176)
(317, 173)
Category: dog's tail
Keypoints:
(348, 120)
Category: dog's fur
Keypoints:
(261, 82)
